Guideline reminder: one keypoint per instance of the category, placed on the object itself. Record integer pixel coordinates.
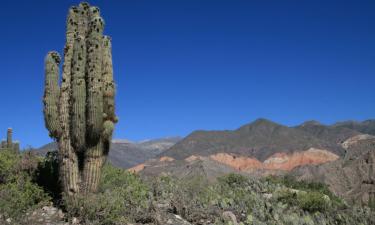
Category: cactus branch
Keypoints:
(52, 93)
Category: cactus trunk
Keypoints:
(80, 114)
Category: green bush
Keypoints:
(102, 208)
(127, 185)
(286, 196)
(308, 186)
(47, 175)
(18, 193)
(190, 198)
(291, 182)
(122, 197)
(234, 192)
(18, 197)
(195, 199)
(9, 165)
(233, 180)
(312, 201)
(162, 187)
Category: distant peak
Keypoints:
(261, 122)
(311, 123)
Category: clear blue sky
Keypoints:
(201, 64)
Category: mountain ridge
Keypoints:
(259, 139)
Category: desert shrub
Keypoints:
(47, 175)
(286, 196)
(17, 191)
(20, 196)
(162, 187)
(122, 197)
(235, 192)
(234, 180)
(9, 166)
(190, 199)
(29, 162)
(127, 185)
(312, 201)
(195, 199)
(291, 182)
(102, 208)
(309, 201)
(308, 186)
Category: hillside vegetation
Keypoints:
(27, 183)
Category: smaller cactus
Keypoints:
(8, 143)
(9, 138)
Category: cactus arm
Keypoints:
(108, 93)
(108, 83)
(94, 80)
(78, 110)
(52, 93)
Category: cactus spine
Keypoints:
(80, 114)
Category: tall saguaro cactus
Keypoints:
(80, 114)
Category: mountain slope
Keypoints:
(334, 134)
(192, 167)
(352, 177)
(366, 127)
(260, 139)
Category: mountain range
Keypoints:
(341, 155)
(260, 139)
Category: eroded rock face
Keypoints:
(142, 166)
(238, 162)
(351, 177)
(353, 140)
(313, 156)
(278, 161)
